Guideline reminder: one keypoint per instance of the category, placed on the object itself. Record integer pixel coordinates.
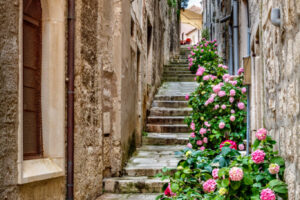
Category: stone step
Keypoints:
(179, 61)
(160, 111)
(175, 69)
(169, 98)
(176, 73)
(170, 104)
(176, 65)
(126, 184)
(166, 119)
(146, 196)
(167, 128)
(178, 79)
(166, 138)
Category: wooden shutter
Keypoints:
(32, 123)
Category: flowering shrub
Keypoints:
(227, 175)
(204, 54)
(219, 101)
(213, 168)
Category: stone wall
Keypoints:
(118, 66)
(275, 81)
(9, 114)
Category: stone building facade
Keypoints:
(120, 50)
(275, 70)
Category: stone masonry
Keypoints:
(165, 133)
(275, 95)
(120, 50)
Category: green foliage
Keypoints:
(205, 33)
(204, 55)
(201, 158)
(196, 168)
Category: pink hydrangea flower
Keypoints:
(233, 82)
(205, 140)
(202, 148)
(241, 147)
(199, 142)
(202, 50)
(168, 192)
(267, 194)
(221, 125)
(193, 126)
(209, 186)
(240, 71)
(232, 111)
(241, 105)
(244, 90)
(232, 118)
(189, 145)
(187, 97)
(223, 106)
(261, 134)
(200, 71)
(232, 92)
(220, 65)
(225, 67)
(217, 88)
(217, 107)
(228, 142)
(274, 168)
(226, 76)
(236, 174)
(203, 131)
(207, 124)
(206, 78)
(215, 173)
(192, 135)
(221, 93)
(231, 99)
(258, 156)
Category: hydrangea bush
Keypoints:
(228, 175)
(213, 167)
(219, 102)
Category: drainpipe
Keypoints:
(248, 87)
(236, 35)
(230, 50)
(70, 100)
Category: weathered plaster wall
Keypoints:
(276, 81)
(116, 76)
(9, 99)
(9, 59)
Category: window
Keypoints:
(41, 130)
(32, 48)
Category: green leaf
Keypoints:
(247, 179)
(278, 160)
(256, 197)
(259, 178)
(256, 143)
(174, 187)
(281, 189)
(225, 182)
(235, 185)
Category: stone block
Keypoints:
(8, 106)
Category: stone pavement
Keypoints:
(166, 133)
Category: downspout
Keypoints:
(230, 50)
(70, 100)
(248, 87)
(236, 35)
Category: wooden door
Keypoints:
(32, 123)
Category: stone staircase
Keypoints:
(166, 133)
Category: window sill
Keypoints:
(41, 169)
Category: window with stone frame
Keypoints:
(32, 48)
